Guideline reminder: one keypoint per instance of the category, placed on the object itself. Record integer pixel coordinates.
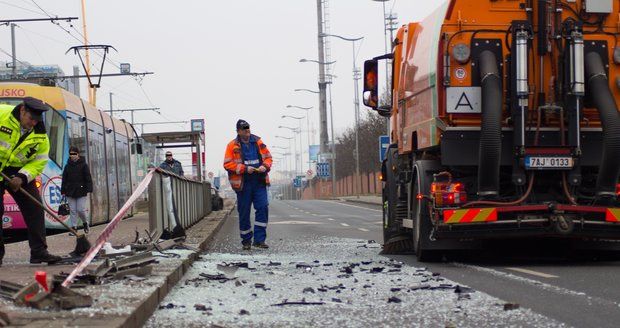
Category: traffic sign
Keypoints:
(384, 143)
(297, 182)
(323, 170)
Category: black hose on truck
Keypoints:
(601, 96)
(491, 127)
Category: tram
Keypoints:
(114, 152)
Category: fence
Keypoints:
(363, 184)
(177, 200)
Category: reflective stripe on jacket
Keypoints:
(30, 155)
(233, 161)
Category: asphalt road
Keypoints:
(551, 288)
(579, 293)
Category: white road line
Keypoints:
(344, 224)
(362, 229)
(533, 273)
(364, 208)
(314, 214)
(295, 222)
(330, 219)
(528, 281)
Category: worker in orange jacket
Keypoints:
(248, 162)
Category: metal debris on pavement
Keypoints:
(219, 277)
(394, 299)
(302, 302)
(202, 307)
(511, 306)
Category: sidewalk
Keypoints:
(123, 303)
(363, 199)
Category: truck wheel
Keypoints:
(422, 225)
(395, 238)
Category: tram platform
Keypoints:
(120, 303)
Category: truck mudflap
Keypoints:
(529, 220)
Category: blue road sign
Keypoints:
(323, 170)
(297, 182)
(384, 143)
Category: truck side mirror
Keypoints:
(371, 89)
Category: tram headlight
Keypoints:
(461, 53)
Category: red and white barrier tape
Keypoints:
(107, 232)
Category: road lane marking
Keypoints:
(362, 229)
(533, 273)
(528, 281)
(330, 219)
(364, 208)
(295, 222)
(344, 224)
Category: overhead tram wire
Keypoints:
(107, 58)
(32, 44)
(22, 8)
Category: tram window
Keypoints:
(56, 126)
(11, 101)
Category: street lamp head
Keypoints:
(304, 60)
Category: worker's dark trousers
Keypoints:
(33, 216)
(253, 193)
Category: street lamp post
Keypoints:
(289, 153)
(307, 110)
(322, 86)
(387, 62)
(356, 107)
(301, 147)
(294, 130)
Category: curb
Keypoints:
(360, 201)
(145, 310)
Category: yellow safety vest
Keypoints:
(31, 154)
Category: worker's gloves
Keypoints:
(15, 183)
(261, 169)
(251, 169)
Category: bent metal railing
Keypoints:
(176, 200)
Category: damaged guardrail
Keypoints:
(175, 200)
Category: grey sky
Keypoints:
(217, 60)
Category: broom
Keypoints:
(82, 245)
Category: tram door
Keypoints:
(76, 128)
(112, 182)
(99, 208)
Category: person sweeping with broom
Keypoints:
(24, 148)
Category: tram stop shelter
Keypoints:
(179, 139)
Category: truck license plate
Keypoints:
(543, 162)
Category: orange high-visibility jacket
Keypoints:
(233, 161)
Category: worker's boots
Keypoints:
(247, 245)
(261, 245)
(44, 257)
